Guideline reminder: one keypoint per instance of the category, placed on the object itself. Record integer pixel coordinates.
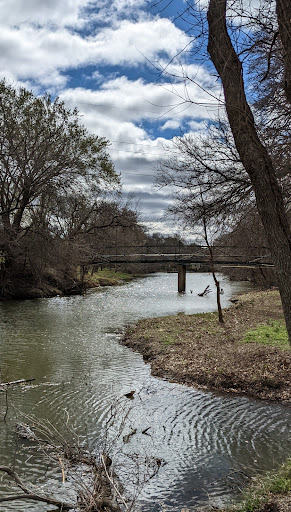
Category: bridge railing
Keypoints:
(222, 255)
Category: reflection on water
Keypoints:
(70, 346)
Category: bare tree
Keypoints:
(237, 33)
(202, 214)
(210, 164)
(253, 153)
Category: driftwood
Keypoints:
(130, 395)
(97, 492)
(207, 290)
(20, 381)
(29, 495)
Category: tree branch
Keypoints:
(30, 495)
(283, 8)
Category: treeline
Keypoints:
(61, 204)
(247, 239)
(60, 199)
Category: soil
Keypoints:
(198, 351)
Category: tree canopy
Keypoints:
(44, 150)
(54, 176)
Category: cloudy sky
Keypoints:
(104, 57)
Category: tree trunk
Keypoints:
(253, 154)
(283, 8)
(217, 284)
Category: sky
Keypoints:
(119, 63)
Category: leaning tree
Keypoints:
(247, 43)
(254, 155)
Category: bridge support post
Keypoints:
(182, 279)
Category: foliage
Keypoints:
(45, 151)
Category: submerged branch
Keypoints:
(30, 495)
(20, 381)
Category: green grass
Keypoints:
(274, 483)
(273, 334)
(105, 277)
(111, 274)
(167, 339)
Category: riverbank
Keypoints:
(54, 284)
(270, 493)
(106, 277)
(248, 354)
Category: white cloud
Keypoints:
(195, 126)
(171, 124)
(43, 54)
(70, 13)
(132, 43)
(136, 100)
(66, 12)
(109, 11)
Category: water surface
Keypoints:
(71, 347)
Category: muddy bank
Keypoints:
(54, 285)
(198, 351)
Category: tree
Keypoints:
(237, 38)
(207, 164)
(45, 156)
(202, 215)
(247, 239)
(253, 153)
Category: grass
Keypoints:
(273, 334)
(248, 354)
(106, 277)
(112, 274)
(275, 488)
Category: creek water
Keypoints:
(70, 346)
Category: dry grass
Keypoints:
(196, 350)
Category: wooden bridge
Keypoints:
(194, 256)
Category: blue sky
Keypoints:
(101, 57)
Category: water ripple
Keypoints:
(70, 346)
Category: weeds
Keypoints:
(273, 485)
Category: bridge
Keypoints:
(186, 255)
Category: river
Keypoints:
(70, 346)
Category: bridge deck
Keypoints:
(180, 259)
